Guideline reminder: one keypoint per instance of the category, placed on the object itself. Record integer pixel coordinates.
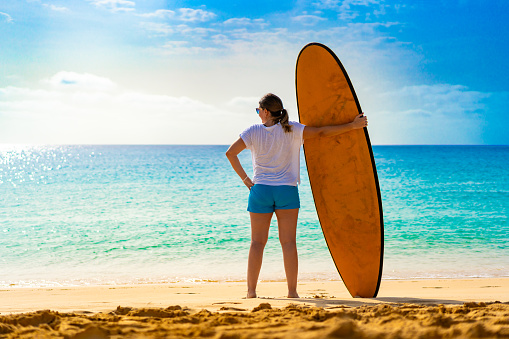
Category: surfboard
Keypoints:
(341, 170)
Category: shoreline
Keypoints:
(52, 283)
(212, 296)
(438, 308)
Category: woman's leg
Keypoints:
(287, 225)
(260, 223)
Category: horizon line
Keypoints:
(2, 145)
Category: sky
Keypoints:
(192, 72)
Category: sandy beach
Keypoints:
(404, 308)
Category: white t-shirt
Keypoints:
(275, 153)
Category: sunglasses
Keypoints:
(258, 111)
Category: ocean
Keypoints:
(93, 215)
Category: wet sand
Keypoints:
(446, 308)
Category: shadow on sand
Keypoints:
(331, 303)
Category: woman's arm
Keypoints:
(232, 155)
(360, 121)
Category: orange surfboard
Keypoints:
(341, 171)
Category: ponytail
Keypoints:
(274, 105)
(283, 120)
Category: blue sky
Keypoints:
(191, 72)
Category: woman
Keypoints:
(275, 147)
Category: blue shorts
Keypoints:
(267, 199)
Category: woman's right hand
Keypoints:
(248, 182)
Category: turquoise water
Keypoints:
(74, 215)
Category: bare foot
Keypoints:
(251, 295)
(293, 295)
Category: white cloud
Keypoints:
(243, 105)
(427, 114)
(160, 14)
(187, 15)
(56, 8)
(245, 22)
(381, 11)
(184, 48)
(59, 115)
(181, 14)
(248, 43)
(347, 8)
(442, 98)
(6, 17)
(308, 20)
(345, 4)
(245, 36)
(71, 105)
(241, 101)
(185, 29)
(360, 42)
(159, 29)
(115, 5)
(83, 81)
(326, 4)
(195, 15)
